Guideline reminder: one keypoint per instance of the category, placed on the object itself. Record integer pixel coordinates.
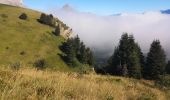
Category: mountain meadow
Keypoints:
(41, 58)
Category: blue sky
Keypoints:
(102, 7)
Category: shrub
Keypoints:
(40, 64)
(16, 66)
(4, 16)
(23, 16)
(57, 31)
(163, 81)
(22, 53)
(47, 19)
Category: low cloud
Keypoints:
(12, 2)
(103, 32)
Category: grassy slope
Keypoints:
(30, 36)
(29, 84)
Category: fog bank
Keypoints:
(103, 32)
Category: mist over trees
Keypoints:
(129, 61)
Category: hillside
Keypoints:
(29, 84)
(25, 41)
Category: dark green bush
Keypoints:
(22, 53)
(163, 81)
(23, 16)
(4, 16)
(48, 20)
(40, 64)
(15, 66)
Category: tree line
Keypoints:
(129, 61)
(76, 52)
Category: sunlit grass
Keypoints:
(31, 84)
(29, 36)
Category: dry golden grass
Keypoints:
(29, 84)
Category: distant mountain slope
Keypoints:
(25, 41)
(165, 11)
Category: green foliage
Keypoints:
(156, 61)
(57, 31)
(168, 68)
(82, 57)
(147, 96)
(48, 20)
(126, 58)
(40, 64)
(30, 36)
(76, 52)
(163, 81)
(90, 57)
(15, 66)
(4, 16)
(23, 16)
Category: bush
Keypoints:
(15, 66)
(163, 81)
(40, 64)
(4, 16)
(57, 31)
(48, 20)
(23, 16)
(22, 53)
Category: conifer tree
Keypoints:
(133, 61)
(83, 54)
(77, 45)
(126, 59)
(156, 61)
(90, 57)
(57, 31)
(69, 51)
(168, 68)
(114, 63)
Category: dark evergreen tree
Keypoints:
(114, 63)
(57, 31)
(168, 68)
(75, 51)
(156, 61)
(69, 51)
(83, 54)
(90, 57)
(126, 59)
(77, 45)
(142, 59)
(133, 61)
(124, 71)
(123, 49)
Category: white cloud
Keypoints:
(12, 2)
(103, 32)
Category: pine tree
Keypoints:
(168, 68)
(156, 61)
(133, 61)
(114, 63)
(126, 59)
(77, 45)
(57, 31)
(82, 57)
(142, 60)
(70, 53)
(90, 57)
(76, 52)
(123, 48)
